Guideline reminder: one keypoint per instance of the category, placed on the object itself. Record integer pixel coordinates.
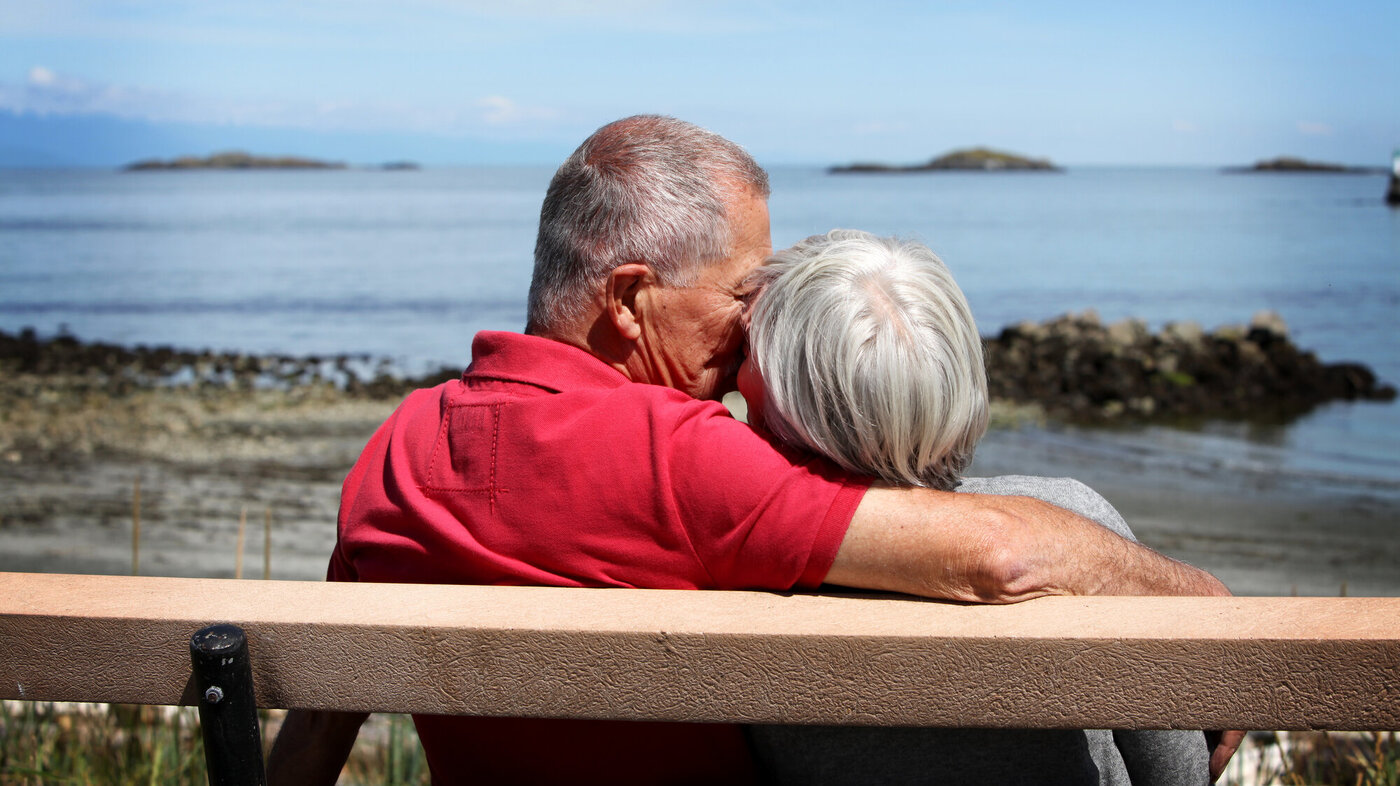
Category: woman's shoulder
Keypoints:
(1066, 493)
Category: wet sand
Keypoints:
(202, 463)
(1260, 535)
(69, 470)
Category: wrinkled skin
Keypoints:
(691, 337)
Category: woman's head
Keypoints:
(863, 349)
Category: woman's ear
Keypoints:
(625, 283)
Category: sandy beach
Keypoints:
(1259, 535)
(71, 458)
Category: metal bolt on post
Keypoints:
(228, 711)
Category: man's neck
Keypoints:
(599, 339)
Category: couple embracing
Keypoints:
(591, 451)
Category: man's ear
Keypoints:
(625, 283)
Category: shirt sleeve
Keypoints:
(759, 514)
(340, 568)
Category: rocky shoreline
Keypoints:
(1079, 370)
(1073, 369)
(120, 370)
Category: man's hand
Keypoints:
(994, 549)
(312, 747)
(1222, 745)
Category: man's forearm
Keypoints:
(1057, 552)
(994, 549)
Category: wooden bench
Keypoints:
(1120, 662)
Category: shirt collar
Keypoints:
(542, 362)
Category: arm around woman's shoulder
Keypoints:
(997, 549)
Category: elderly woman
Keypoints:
(864, 349)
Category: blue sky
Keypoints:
(457, 81)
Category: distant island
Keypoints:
(233, 160)
(977, 159)
(1291, 164)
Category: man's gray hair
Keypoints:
(869, 355)
(647, 189)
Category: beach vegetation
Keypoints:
(1178, 378)
(50, 743)
(1321, 758)
(123, 744)
(43, 743)
(1368, 760)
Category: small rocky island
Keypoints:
(1290, 164)
(977, 159)
(236, 159)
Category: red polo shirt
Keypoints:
(543, 465)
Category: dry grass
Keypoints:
(1314, 757)
(72, 743)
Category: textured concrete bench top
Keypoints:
(1277, 663)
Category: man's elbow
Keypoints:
(1007, 575)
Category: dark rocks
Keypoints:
(118, 370)
(1392, 194)
(1078, 369)
(1074, 367)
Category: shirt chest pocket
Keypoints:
(464, 453)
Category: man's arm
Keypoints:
(312, 747)
(994, 549)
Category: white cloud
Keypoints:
(499, 110)
(42, 77)
(1184, 127)
(1307, 128)
(48, 92)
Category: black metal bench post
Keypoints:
(228, 710)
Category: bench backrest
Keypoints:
(1264, 663)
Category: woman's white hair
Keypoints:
(649, 189)
(869, 355)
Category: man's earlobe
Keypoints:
(625, 283)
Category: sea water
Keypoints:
(410, 264)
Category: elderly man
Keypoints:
(590, 452)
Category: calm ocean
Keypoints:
(410, 264)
